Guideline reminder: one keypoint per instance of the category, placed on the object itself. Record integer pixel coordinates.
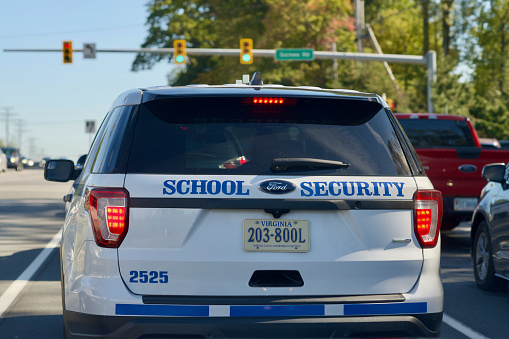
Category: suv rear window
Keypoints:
(437, 132)
(234, 135)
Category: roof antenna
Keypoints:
(256, 80)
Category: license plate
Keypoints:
(465, 204)
(276, 235)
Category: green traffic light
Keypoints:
(180, 59)
(246, 57)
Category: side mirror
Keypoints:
(494, 172)
(59, 170)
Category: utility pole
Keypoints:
(359, 24)
(31, 148)
(7, 114)
(335, 61)
(21, 129)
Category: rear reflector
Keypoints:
(427, 217)
(108, 210)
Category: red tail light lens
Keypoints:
(427, 217)
(270, 101)
(108, 210)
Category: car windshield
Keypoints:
(232, 135)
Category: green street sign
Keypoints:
(294, 54)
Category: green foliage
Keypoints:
(470, 33)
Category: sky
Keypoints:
(48, 102)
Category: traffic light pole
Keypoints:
(429, 59)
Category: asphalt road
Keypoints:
(31, 214)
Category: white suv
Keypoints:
(250, 210)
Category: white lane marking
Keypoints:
(462, 328)
(17, 286)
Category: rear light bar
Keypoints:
(427, 217)
(109, 212)
(270, 101)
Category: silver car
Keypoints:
(490, 230)
(3, 161)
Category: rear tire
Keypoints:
(482, 256)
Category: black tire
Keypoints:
(482, 256)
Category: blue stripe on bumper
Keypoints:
(277, 311)
(163, 310)
(272, 310)
(381, 309)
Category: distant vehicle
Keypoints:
(246, 211)
(490, 230)
(3, 161)
(27, 162)
(43, 161)
(14, 159)
(449, 149)
(489, 143)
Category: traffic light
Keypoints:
(246, 51)
(67, 52)
(179, 51)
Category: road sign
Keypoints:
(90, 126)
(89, 51)
(294, 54)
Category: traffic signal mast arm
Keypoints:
(270, 53)
(429, 59)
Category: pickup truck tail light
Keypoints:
(427, 217)
(109, 212)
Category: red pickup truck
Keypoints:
(450, 152)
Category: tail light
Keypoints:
(108, 210)
(427, 217)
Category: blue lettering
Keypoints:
(169, 188)
(375, 188)
(345, 189)
(331, 188)
(363, 186)
(225, 187)
(319, 188)
(179, 187)
(239, 190)
(213, 190)
(399, 188)
(306, 186)
(202, 186)
(386, 185)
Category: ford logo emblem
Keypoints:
(468, 168)
(276, 186)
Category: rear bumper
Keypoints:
(79, 325)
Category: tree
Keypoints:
(270, 23)
(487, 55)
(317, 24)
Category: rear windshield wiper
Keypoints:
(304, 164)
